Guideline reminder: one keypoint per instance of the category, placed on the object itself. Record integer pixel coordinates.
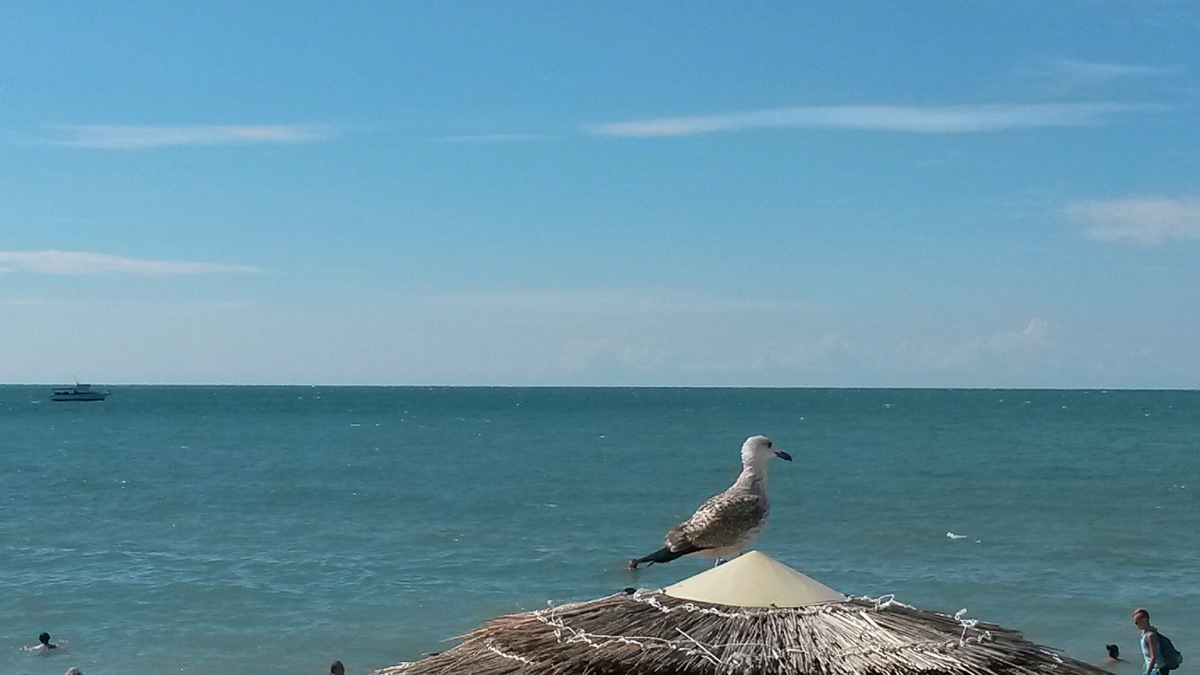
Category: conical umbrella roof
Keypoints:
(753, 580)
(680, 631)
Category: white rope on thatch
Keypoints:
(685, 607)
(967, 624)
(600, 641)
(884, 601)
(649, 597)
(515, 657)
(732, 662)
(630, 632)
(737, 658)
(705, 651)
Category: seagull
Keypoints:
(727, 522)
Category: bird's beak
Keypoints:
(783, 455)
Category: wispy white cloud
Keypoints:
(624, 301)
(1096, 73)
(927, 120)
(137, 137)
(494, 138)
(1079, 74)
(1002, 345)
(1033, 335)
(83, 263)
(1142, 220)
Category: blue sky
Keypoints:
(925, 194)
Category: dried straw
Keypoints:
(648, 632)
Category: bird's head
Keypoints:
(758, 449)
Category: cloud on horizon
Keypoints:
(138, 137)
(76, 263)
(623, 301)
(925, 120)
(1003, 345)
(1148, 221)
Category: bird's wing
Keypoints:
(721, 521)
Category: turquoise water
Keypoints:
(274, 529)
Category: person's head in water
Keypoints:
(44, 639)
(336, 668)
(1114, 652)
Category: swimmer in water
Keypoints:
(44, 644)
(1114, 654)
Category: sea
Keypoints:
(217, 529)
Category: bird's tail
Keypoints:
(662, 555)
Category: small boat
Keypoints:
(80, 392)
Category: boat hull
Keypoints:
(80, 392)
(90, 396)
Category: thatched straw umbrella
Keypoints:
(751, 615)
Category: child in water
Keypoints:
(44, 645)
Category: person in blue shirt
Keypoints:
(1149, 642)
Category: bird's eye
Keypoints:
(769, 444)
